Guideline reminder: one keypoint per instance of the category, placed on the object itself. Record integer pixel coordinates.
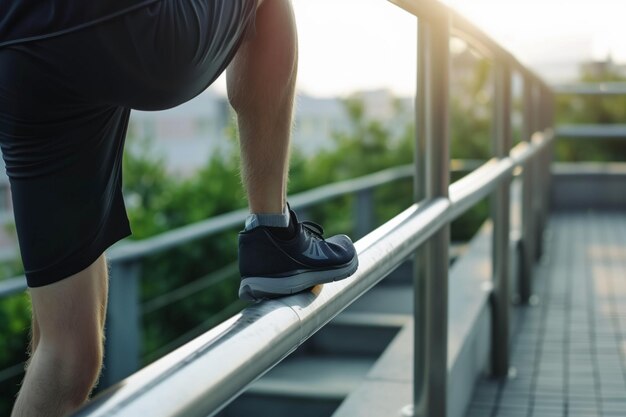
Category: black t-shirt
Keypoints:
(25, 20)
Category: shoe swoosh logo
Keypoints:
(313, 251)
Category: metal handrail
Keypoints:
(187, 382)
(603, 88)
(203, 376)
(136, 250)
(11, 286)
(460, 26)
(584, 131)
(140, 249)
(129, 251)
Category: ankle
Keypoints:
(273, 220)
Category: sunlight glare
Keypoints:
(551, 30)
(352, 45)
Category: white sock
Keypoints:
(268, 219)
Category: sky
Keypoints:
(545, 34)
(351, 45)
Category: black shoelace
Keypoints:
(314, 228)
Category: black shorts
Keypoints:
(64, 108)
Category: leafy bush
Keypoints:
(14, 328)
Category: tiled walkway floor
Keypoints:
(570, 350)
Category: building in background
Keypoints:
(603, 68)
(188, 135)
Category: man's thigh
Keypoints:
(63, 157)
(64, 106)
(165, 54)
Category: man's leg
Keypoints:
(261, 85)
(278, 255)
(68, 323)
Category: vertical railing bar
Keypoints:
(538, 174)
(363, 212)
(550, 147)
(432, 181)
(123, 330)
(420, 193)
(500, 214)
(526, 265)
(549, 114)
(545, 185)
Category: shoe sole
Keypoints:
(257, 288)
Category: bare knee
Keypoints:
(67, 339)
(78, 361)
(84, 360)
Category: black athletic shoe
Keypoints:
(272, 267)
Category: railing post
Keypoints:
(538, 173)
(432, 180)
(542, 178)
(546, 159)
(500, 214)
(528, 228)
(550, 148)
(123, 324)
(364, 212)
